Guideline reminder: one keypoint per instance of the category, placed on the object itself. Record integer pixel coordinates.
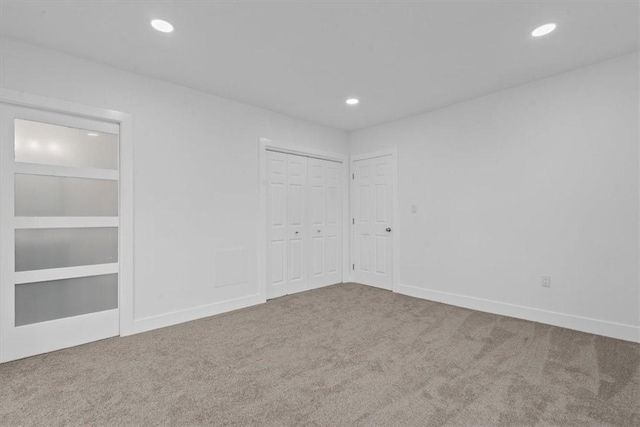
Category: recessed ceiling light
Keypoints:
(92, 134)
(162, 26)
(543, 30)
(352, 101)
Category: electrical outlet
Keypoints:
(546, 281)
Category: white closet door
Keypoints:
(276, 224)
(296, 222)
(304, 223)
(372, 214)
(325, 218)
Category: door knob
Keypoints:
(297, 232)
(318, 231)
(388, 230)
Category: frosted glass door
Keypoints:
(59, 228)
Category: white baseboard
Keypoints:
(176, 317)
(583, 324)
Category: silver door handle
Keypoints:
(388, 230)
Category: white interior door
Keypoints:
(59, 234)
(372, 205)
(325, 223)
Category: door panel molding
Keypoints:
(64, 273)
(44, 336)
(64, 171)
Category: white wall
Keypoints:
(538, 179)
(196, 175)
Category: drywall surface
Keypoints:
(540, 179)
(196, 178)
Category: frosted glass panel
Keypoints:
(41, 248)
(37, 195)
(57, 299)
(49, 144)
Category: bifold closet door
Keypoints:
(304, 223)
(286, 219)
(325, 219)
(276, 224)
(297, 240)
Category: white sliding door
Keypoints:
(372, 202)
(59, 221)
(304, 223)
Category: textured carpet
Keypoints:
(342, 355)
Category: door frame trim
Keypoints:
(393, 152)
(265, 145)
(126, 183)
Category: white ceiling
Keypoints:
(304, 58)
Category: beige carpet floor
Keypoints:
(342, 355)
